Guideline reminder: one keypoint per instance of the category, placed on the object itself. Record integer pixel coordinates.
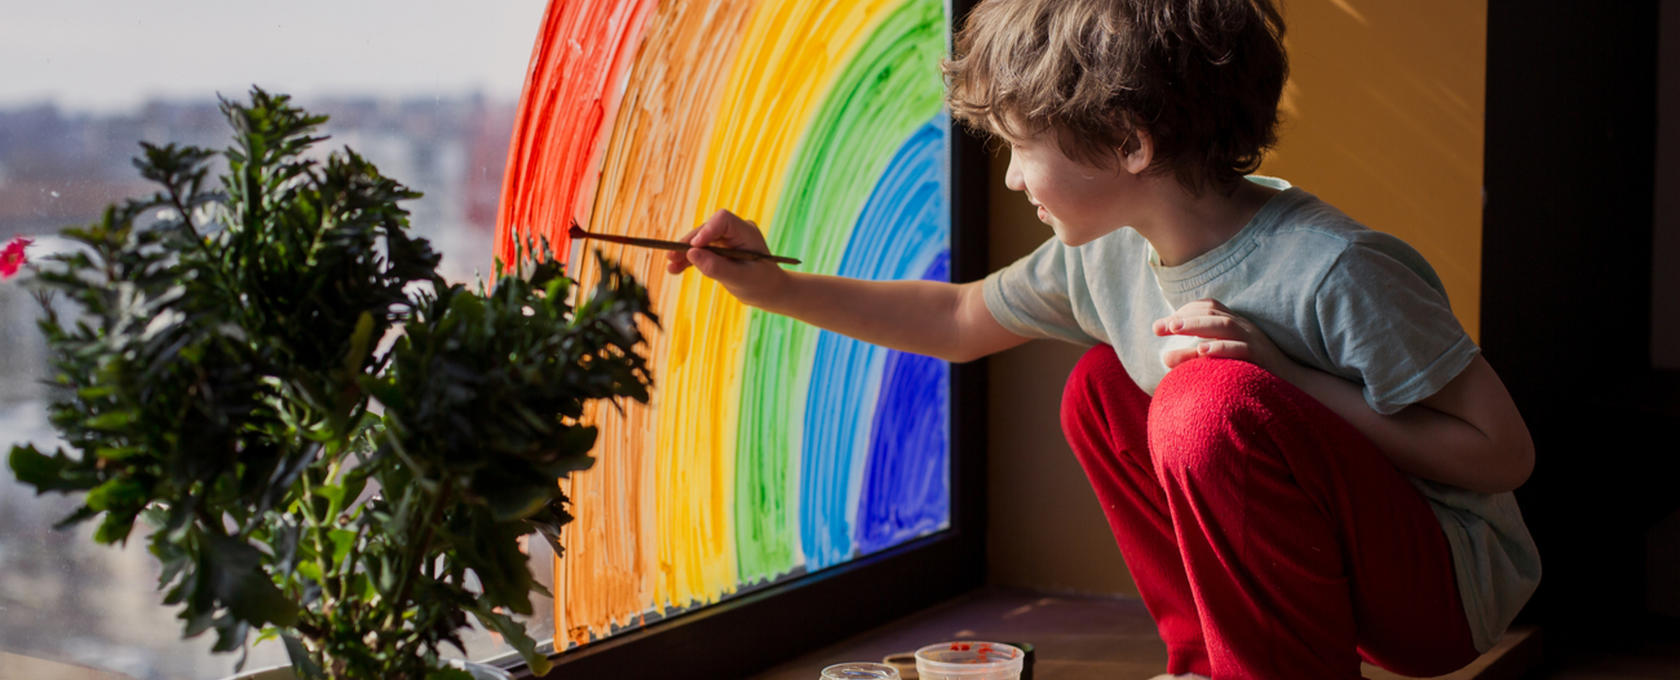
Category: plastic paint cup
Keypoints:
(858, 670)
(969, 660)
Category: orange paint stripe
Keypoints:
(645, 189)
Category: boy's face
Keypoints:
(1081, 203)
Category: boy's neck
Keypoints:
(1184, 225)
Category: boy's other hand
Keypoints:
(1225, 335)
(752, 282)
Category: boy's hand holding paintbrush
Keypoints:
(752, 281)
(934, 318)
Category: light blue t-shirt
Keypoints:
(1332, 295)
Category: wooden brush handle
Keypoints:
(731, 253)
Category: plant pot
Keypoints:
(479, 671)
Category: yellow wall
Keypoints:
(1384, 120)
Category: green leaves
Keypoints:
(514, 633)
(112, 422)
(220, 380)
(232, 571)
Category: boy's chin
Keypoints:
(1073, 238)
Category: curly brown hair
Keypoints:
(1201, 77)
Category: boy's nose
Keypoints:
(1012, 176)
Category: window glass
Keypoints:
(770, 450)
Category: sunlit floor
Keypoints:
(1079, 638)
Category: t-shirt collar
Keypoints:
(1204, 267)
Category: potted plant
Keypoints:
(225, 381)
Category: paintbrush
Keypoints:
(731, 253)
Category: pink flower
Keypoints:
(13, 257)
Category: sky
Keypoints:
(107, 55)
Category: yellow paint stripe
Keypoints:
(787, 59)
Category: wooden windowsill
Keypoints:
(1079, 638)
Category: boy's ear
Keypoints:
(1136, 151)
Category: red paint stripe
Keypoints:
(582, 54)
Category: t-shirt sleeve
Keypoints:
(1387, 324)
(1031, 297)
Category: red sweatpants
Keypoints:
(1267, 536)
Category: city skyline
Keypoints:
(97, 56)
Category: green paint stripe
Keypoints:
(889, 88)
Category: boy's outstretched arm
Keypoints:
(945, 320)
(1469, 434)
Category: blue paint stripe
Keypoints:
(906, 483)
(901, 233)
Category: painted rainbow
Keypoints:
(771, 449)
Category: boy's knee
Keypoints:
(1202, 406)
(1201, 377)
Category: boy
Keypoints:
(1303, 457)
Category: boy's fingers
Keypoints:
(1221, 349)
(1172, 323)
(1222, 327)
(1202, 307)
(1226, 349)
(676, 261)
(705, 261)
(711, 231)
(1172, 358)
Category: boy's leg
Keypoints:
(1304, 545)
(1104, 417)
